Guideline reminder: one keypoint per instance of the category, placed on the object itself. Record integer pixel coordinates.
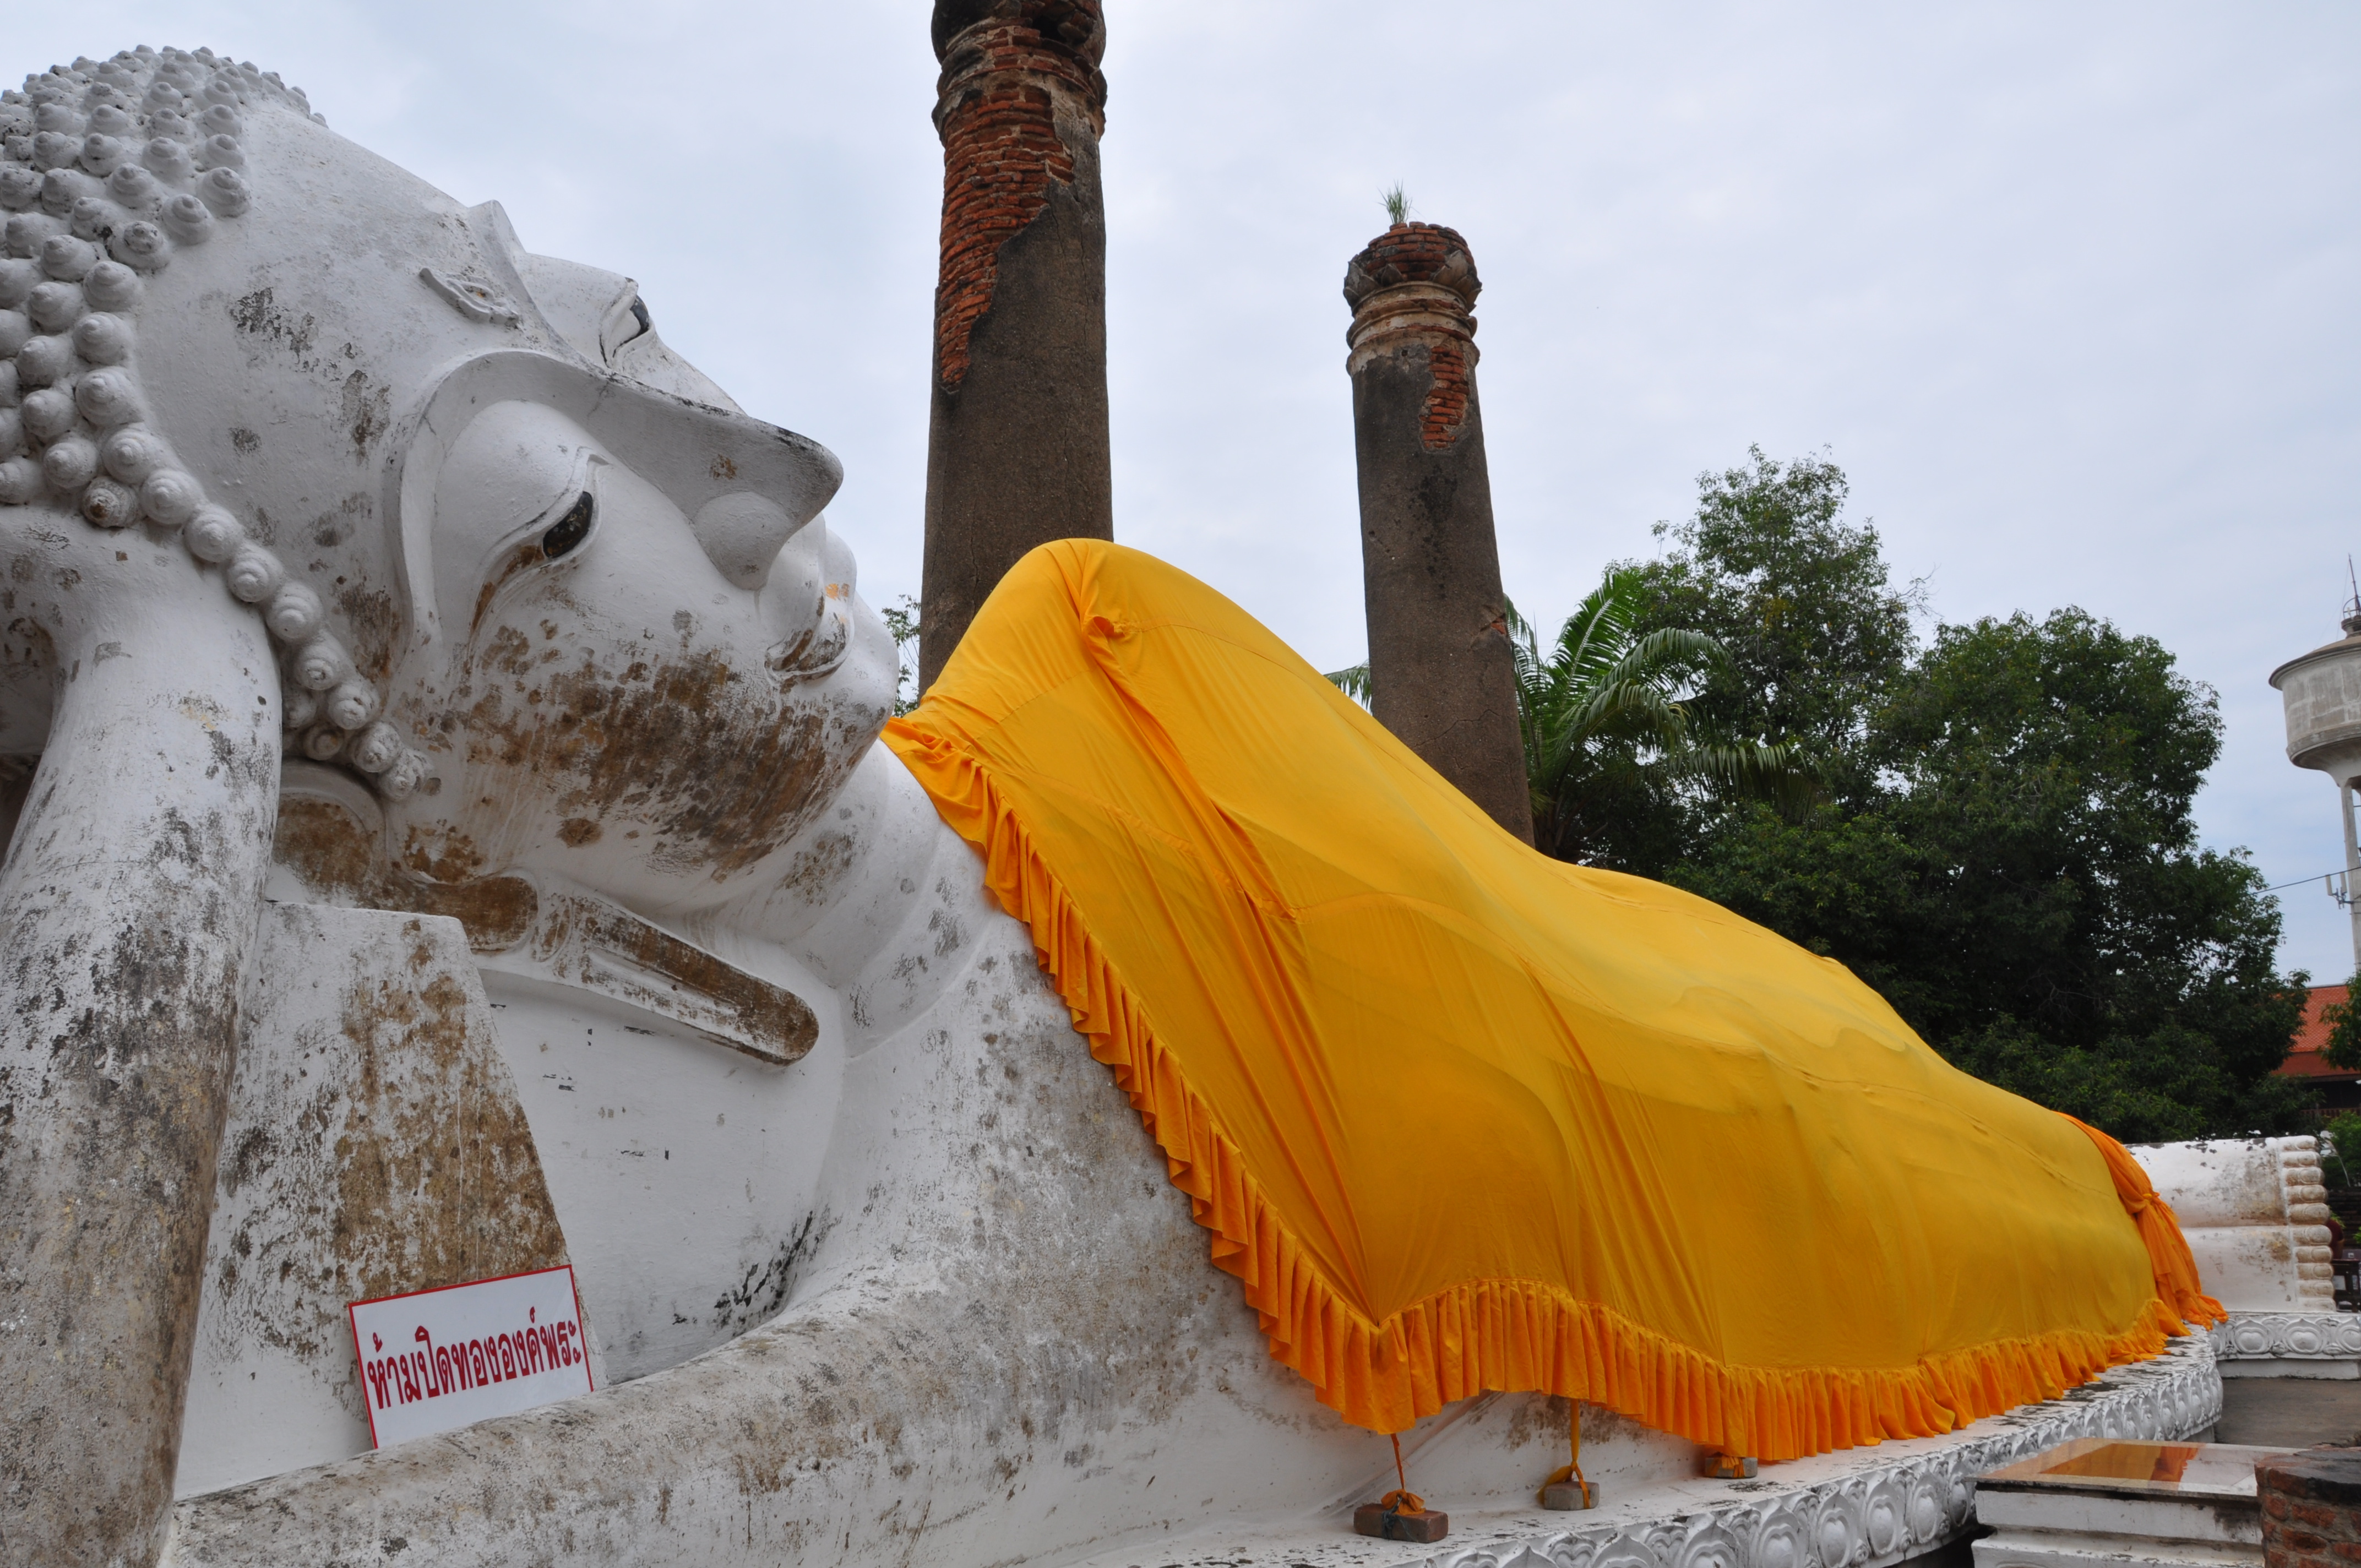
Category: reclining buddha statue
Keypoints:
(455, 830)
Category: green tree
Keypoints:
(901, 619)
(2342, 1154)
(1612, 743)
(1815, 629)
(1612, 749)
(2344, 1047)
(2018, 874)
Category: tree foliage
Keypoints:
(1802, 600)
(1613, 750)
(2341, 1151)
(2342, 1048)
(1611, 739)
(2024, 884)
(901, 619)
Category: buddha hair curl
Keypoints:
(107, 169)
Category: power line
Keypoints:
(2299, 882)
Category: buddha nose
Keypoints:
(743, 533)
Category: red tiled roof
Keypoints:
(2312, 1038)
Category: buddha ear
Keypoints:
(746, 486)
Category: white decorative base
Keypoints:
(2289, 1345)
(1870, 1507)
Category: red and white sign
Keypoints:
(433, 1360)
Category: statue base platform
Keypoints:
(2289, 1345)
(1882, 1507)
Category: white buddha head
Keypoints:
(530, 576)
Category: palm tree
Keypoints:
(1606, 698)
(902, 624)
(1604, 714)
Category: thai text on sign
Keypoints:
(433, 1360)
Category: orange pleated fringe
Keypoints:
(1516, 1334)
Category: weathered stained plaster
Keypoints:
(375, 1145)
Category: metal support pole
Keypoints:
(2352, 867)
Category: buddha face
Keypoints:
(645, 699)
(642, 664)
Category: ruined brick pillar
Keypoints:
(2311, 1508)
(1016, 448)
(1441, 675)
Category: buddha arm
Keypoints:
(127, 907)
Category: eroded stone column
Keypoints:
(1016, 448)
(1442, 675)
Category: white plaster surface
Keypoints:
(1006, 1337)
(2256, 1213)
(681, 1170)
(2338, 1371)
(2336, 1335)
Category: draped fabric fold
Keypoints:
(2169, 1260)
(1460, 1117)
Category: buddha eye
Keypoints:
(627, 321)
(570, 529)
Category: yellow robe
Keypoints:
(1461, 1117)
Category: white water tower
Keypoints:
(2321, 692)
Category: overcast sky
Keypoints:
(2072, 293)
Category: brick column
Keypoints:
(1016, 447)
(2312, 1508)
(1442, 675)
